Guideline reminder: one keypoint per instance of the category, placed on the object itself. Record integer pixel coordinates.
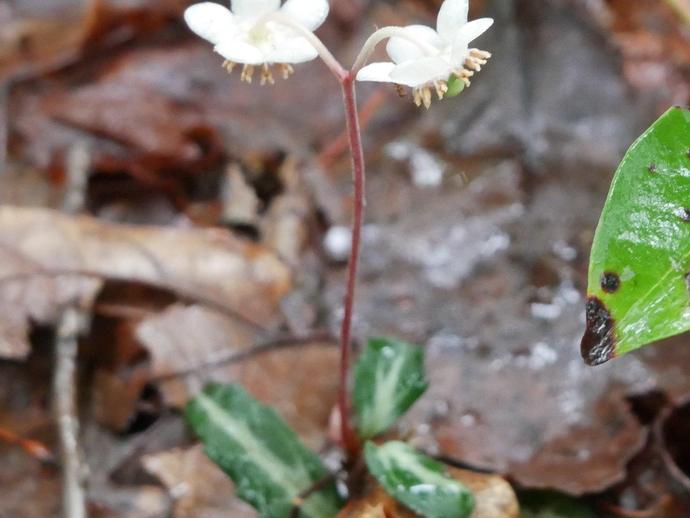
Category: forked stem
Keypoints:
(349, 438)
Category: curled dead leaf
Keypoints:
(48, 260)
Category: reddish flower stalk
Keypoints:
(349, 438)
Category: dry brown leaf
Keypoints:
(185, 338)
(297, 378)
(42, 250)
(200, 489)
(494, 498)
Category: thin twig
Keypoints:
(316, 486)
(71, 324)
(4, 126)
(65, 395)
(337, 147)
(270, 345)
(36, 449)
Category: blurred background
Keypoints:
(199, 228)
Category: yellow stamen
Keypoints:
(417, 97)
(267, 75)
(286, 69)
(426, 97)
(441, 89)
(481, 54)
(247, 73)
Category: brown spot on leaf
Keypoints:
(652, 168)
(599, 342)
(610, 282)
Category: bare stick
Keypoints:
(72, 323)
(3, 126)
(321, 483)
(65, 395)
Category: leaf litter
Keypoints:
(485, 268)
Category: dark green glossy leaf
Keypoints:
(455, 86)
(638, 285)
(262, 455)
(389, 378)
(417, 481)
(545, 504)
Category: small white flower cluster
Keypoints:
(245, 34)
(262, 33)
(426, 59)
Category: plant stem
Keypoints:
(64, 390)
(350, 441)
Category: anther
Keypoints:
(229, 66)
(426, 96)
(472, 65)
(247, 73)
(417, 97)
(481, 54)
(441, 89)
(287, 70)
(401, 90)
(267, 75)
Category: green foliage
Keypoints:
(389, 378)
(638, 274)
(455, 86)
(262, 455)
(418, 481)
(545, 504)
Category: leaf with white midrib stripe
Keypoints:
(389, 378)
(262, 455)
(417, 481)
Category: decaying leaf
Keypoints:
(200, 489)
(48, 260)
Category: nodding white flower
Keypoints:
(430, 60)
(245, 34)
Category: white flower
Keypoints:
(243, 35)
(426, 59)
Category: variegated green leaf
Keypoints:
(389, 378)
(639, 280)
(262, 455)
(417, 481)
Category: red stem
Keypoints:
(349, 438)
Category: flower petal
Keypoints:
(459, 53)
(421, 71)
(451, 16)
(310, 13)
(472, 30)
(213, 22)
(402, 49)
(238, 51)
(254, 8)
(293, 50)
(377, 72)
